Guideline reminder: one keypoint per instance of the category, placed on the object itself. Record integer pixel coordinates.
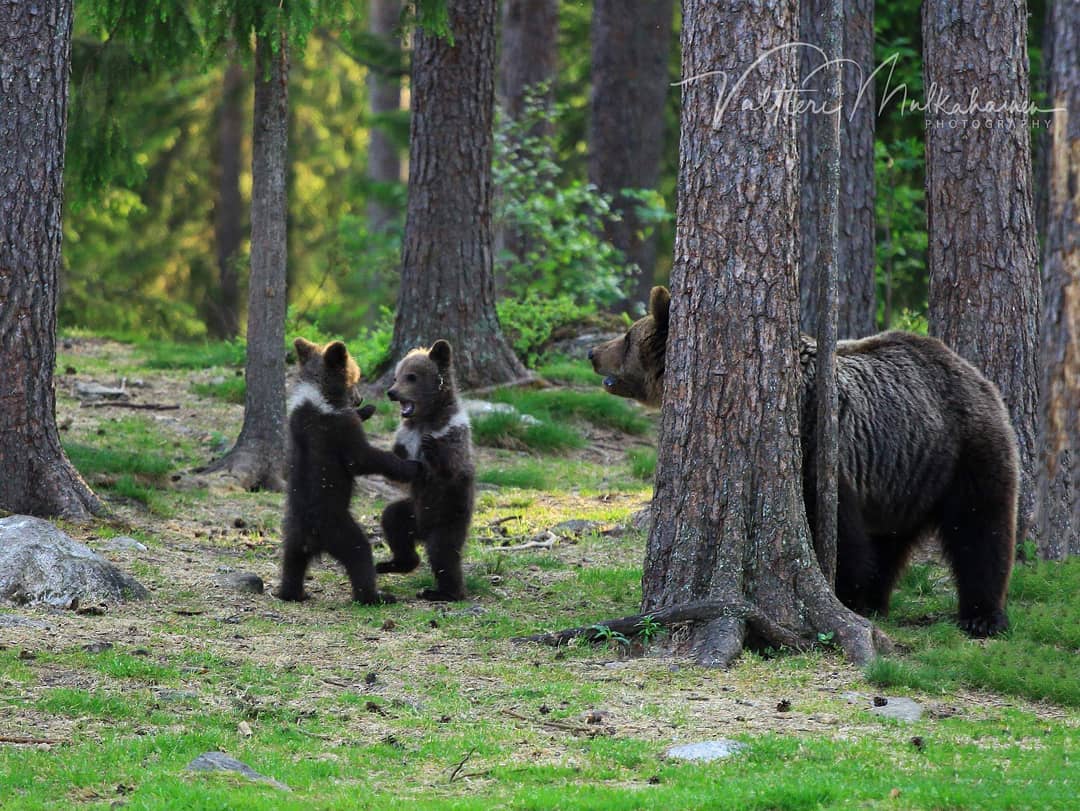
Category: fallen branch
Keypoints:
(576, 729)
(547, 543)
(461, 764)
(700, 611)
(123, 404)
(23, 741)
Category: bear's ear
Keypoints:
(336, 355)
(304, 349)
(660, 305)
(441, 353)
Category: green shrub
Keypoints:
(529, 322)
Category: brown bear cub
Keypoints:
(926, 447)
(327, 448)
(435, 432)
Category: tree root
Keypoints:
(701, 611)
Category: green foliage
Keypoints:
(92, 460)
(172, 355)
(901, 246)
(231, 390)
(527, 476)
(530, 321)
(557, 405)
(568, 372)
(648, 629)
(558, 221)
(602, 633)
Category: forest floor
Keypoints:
(426, 706)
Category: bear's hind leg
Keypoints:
(399, 529)
(978, 534)
(444, 547)
(891, 555)
(856, 561)
(294, 563)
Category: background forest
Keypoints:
(159, 185)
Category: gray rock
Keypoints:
(16, 621)
(41, 565)
(244, 582)
(902, 709)
(123, 543)
(478, 408)
(219, 762)
(706, 750)
(176, 695)
(579, 345)
(89, 390)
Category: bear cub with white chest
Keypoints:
(327, 449)
(435, 432)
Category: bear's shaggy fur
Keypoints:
(925, 446)
(434, 431)
(327, 448)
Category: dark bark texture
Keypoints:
(984, 275)
(447, 283)
(384, 162)
(826, 271)
(728, 517)
(630, 45)
(35, 475)
(530, 48)
(258, 458)
(229, 208)
(1058, 470)
(855, 251)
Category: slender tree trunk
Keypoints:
(984, 275)
(447, 283)
(35, 474)
(828, 221)
(1058, 461)
(530, 48)
(728, 518)
(258, 458)
(228, 211)
(384, 162)
(855, 251)
(630, 45)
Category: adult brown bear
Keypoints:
(925, 447)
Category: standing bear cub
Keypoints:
(327, 448)
(435, 432)
(926, 447)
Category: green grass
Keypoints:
(568, 372)
(166, 355)
(231, 390)
(642, 463)
(597, 407)
(506, 430)
(90, 460)
(526, 476)
(1037, 658)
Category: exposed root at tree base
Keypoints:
(721, 631)
(251, 469)
(62, 492)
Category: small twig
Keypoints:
(461, 764)
(521, 547)
(121, 404)
(504, 519)
(576, 729)
(18, 739)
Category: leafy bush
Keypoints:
(529, 322)
(557, 222)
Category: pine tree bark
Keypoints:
(1058, 461)
(35, 50)
(984, 275)
(257, 460)
(447, 283)
(529, 52)
(384, 162)
(228, 210)
(631, 40)
(729, 523)
(856, 314)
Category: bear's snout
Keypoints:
(393, 395)
(591, 351)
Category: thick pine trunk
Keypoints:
(35, 474)
(855, 252)
(258, 458)
(984, 275)
(630, 45)
(228, 211)
(447, 282)
(384, 162)
(728, 518)
(1058, 461)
